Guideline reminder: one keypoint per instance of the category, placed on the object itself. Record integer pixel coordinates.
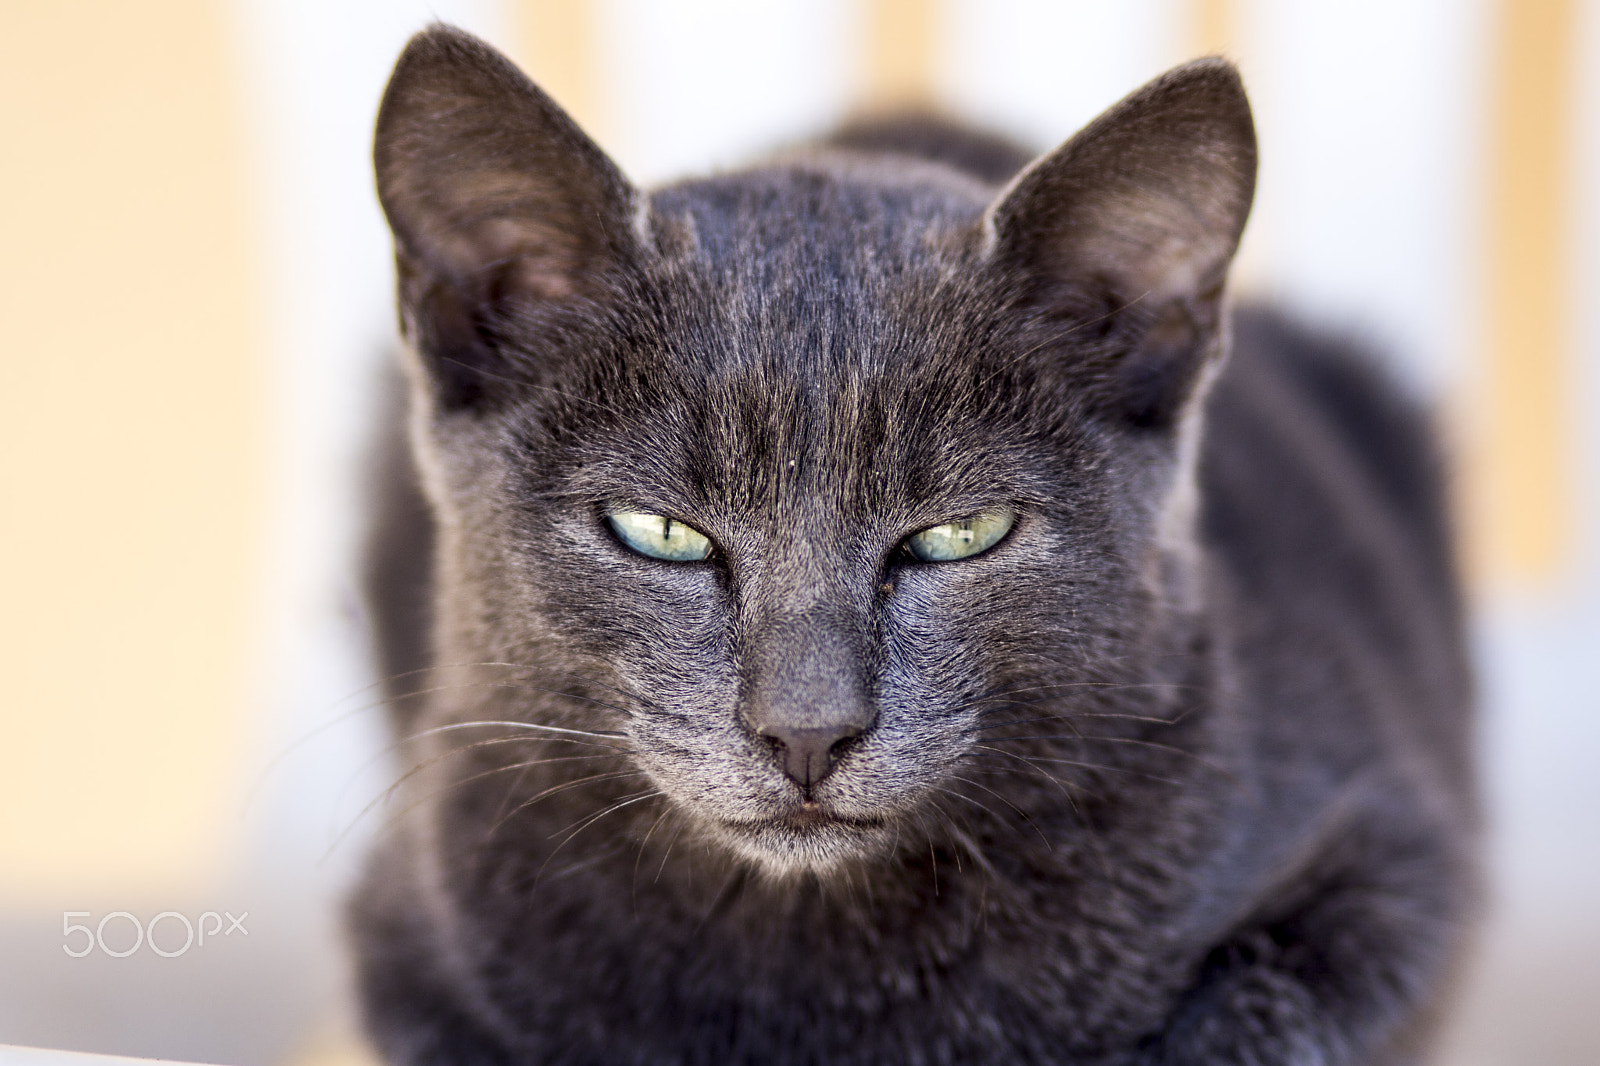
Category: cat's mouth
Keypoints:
(806, 817)
(811, 815)
(808, 836)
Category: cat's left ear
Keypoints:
(1131, 225)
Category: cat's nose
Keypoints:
(808, 754)
(807, 693)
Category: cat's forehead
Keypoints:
(835, 268)
(783, 442)
(820, 209)
(820, 342)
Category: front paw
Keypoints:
(1252, 1017)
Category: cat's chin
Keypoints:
(808, 840)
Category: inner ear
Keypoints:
(499, 205)
(1151, 382)
(1131, 225)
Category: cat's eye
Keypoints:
(658, 536)
(962, 539)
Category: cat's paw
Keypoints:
(1252, 1017)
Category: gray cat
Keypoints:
(879, 616)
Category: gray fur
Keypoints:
(1176, 773)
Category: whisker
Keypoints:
(553, 790)
(1085, 765)
(515, 686)
(962, 837)
(1088, 738)
(1025, 815)
(1066, 686)
(602, 734)
(388, 793)
(298, 743)
(1073, 716)
(682, 822)
(1095, 843)
(984, 807)
(538, 668)
(666, 809)
(591, 820)
(724, 898)
(423, 765)
(1065, 790)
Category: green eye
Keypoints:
(963, 539)
(659, 537)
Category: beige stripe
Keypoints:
(556, 44)
(902, 43)
(1211, 27)
(130, 447)
(1213, 30)
(1518, 484)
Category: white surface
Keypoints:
(702, 84)
(1369, 201)
(11, 1055)
(1039, 69)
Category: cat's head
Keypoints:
(797, 472)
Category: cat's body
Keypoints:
(1174, 771)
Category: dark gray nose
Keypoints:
(808, 755)
(807, 691)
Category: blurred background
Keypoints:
(195, 298)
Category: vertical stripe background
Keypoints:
(1523, 462)
(131, 443)
(197, 301)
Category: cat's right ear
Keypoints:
(500, 206)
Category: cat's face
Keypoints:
(804, 466)
(801, 471)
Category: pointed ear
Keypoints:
(498, 203)
(1132, 224)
